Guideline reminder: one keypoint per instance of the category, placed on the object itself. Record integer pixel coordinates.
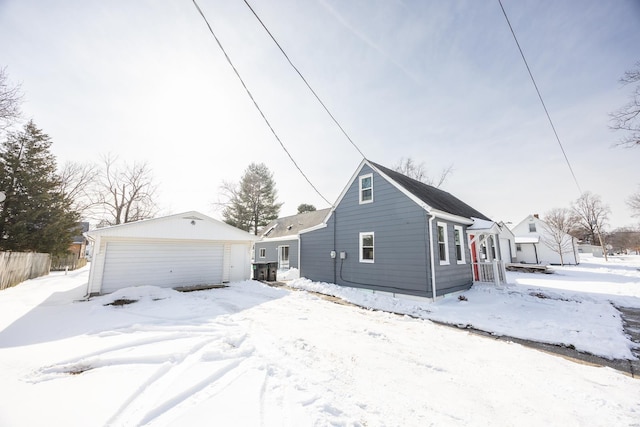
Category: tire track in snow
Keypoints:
(149, 402)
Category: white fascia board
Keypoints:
(346, 188)
(403, 190)
(316, 227)
(523, 239)
(482, 224)
(279, 239)
(451, 217)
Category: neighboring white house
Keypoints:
(186, 249)
(536, 244)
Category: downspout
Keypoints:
(433, 262)
(92, 270)
(299, 245)
(335, 261)
(535, 250)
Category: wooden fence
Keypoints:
(16, 267)
(67, 262)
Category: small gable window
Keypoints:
(532, 227)
(366, 188)
(366, 247)
(443, 243)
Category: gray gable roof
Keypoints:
(434, 197)
(292, 225)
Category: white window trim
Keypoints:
(367, 233)
(446, 243)
(360, 179)
(280, 249)
(262, 252)
(459, 229)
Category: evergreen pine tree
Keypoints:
(253, 202)
(35, 215)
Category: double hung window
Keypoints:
(366, 189)
(367, 247)
(443, 243)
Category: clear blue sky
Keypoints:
(440, 82)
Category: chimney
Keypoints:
(536, 216)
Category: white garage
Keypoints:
(188, 249)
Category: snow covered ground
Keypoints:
(251, 355)
(573, 307)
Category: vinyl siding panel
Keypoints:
(452, 277)
(400, 249)
(401, 245)
(271, 251)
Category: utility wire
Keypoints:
(303, 79)
(540, 96)
(255, 103)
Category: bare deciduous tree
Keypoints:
(592, 216)
(559, 223)
(417, 171)
(126, 192)
(627, 118)
(634, 203)
(625, 239)
(10, 100)
(78, 182)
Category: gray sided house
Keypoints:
(388, 232)
(279, 240)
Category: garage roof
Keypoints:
(190, 225)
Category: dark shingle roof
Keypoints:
(434, 197)
(292, 225)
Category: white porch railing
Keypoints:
(493, 271)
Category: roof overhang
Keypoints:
(280, 239)
(482, 226)
(447, 216)
(527, 239)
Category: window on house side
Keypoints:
(366, 247)
(518, 247)
(263, 252)
(366, 188)
(284, 253)
(532, 228)
(443, 244)
(459, 242)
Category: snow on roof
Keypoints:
(481, 224)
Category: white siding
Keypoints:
(161, 263)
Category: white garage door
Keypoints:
(158, 263)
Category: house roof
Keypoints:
(292, 225)
(433, 197)
(83, 227)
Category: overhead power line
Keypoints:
(303, 79)
(256, 104)
(540, 96)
